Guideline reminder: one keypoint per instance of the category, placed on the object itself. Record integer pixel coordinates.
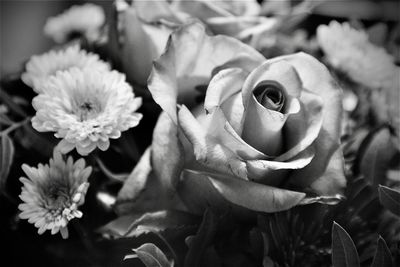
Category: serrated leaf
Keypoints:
(159, 221)
(201, 241)
(6, 159)
(151, 256)
(118, 227)
(326, 200)
(344, 252)
(390, 199)
(134, 225)
(376, 155)
(382, 257)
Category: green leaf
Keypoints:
(133, 225)
(390, 199)
(201, 241)
(6, 159)
(159, 221)
(151, 256)
(376, 155)
(382, 257)
(344, 252)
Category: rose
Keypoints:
(141, 30)
(138, 35)
(239, 19)
(268, 130)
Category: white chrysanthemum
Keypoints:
(350, 51)
(52, 193)
(40, 68)
(86, 108)
(84, 19)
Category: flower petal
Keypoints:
(220, 128)
(138, 51)
(136, 181)
(167, 155)
(152, 11)
(208, 151)
(223, 85)
(273, 172)
(188, 61)
(256, 196)
(303, 128)
(316, 78)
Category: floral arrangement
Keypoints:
(205, 133)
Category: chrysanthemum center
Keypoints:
(87, 109)
(57, 198)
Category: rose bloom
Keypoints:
(52, 193)
(141, 30)
(41, 67)
(86, 108)
(349, 51)
(267, 133)
(79, 20)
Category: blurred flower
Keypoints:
(142, 29)
(52, 193)
(40, 68)
(83, 20)
(86, 108)
(350, 51)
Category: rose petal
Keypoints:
(273, 70)
(138, 50)
(188, 61)
(158, 36)
(233, 110)
(220, 128)
(198, 193)
(262, 127)
(223, 85)
(254, 196)
(233, 26)
(303, 128)
(274, 172)
(167, 152)
(208, 151)
(154, 11)
(136, 181)
(333, 180)
(316, 78)
(200, 9)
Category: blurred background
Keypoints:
(22, 22)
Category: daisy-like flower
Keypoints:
(39, 68)
(86, 108)
(52, 193)
(78, 20)
(350, 51)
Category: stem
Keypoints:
(169, 247)
(15, 126)
(6, 99)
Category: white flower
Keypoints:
(85, 20)
(350, 51)
(86, 108)
(52, 193)
(40, 68)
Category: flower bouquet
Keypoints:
(205, 133)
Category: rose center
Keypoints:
(270, 95)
